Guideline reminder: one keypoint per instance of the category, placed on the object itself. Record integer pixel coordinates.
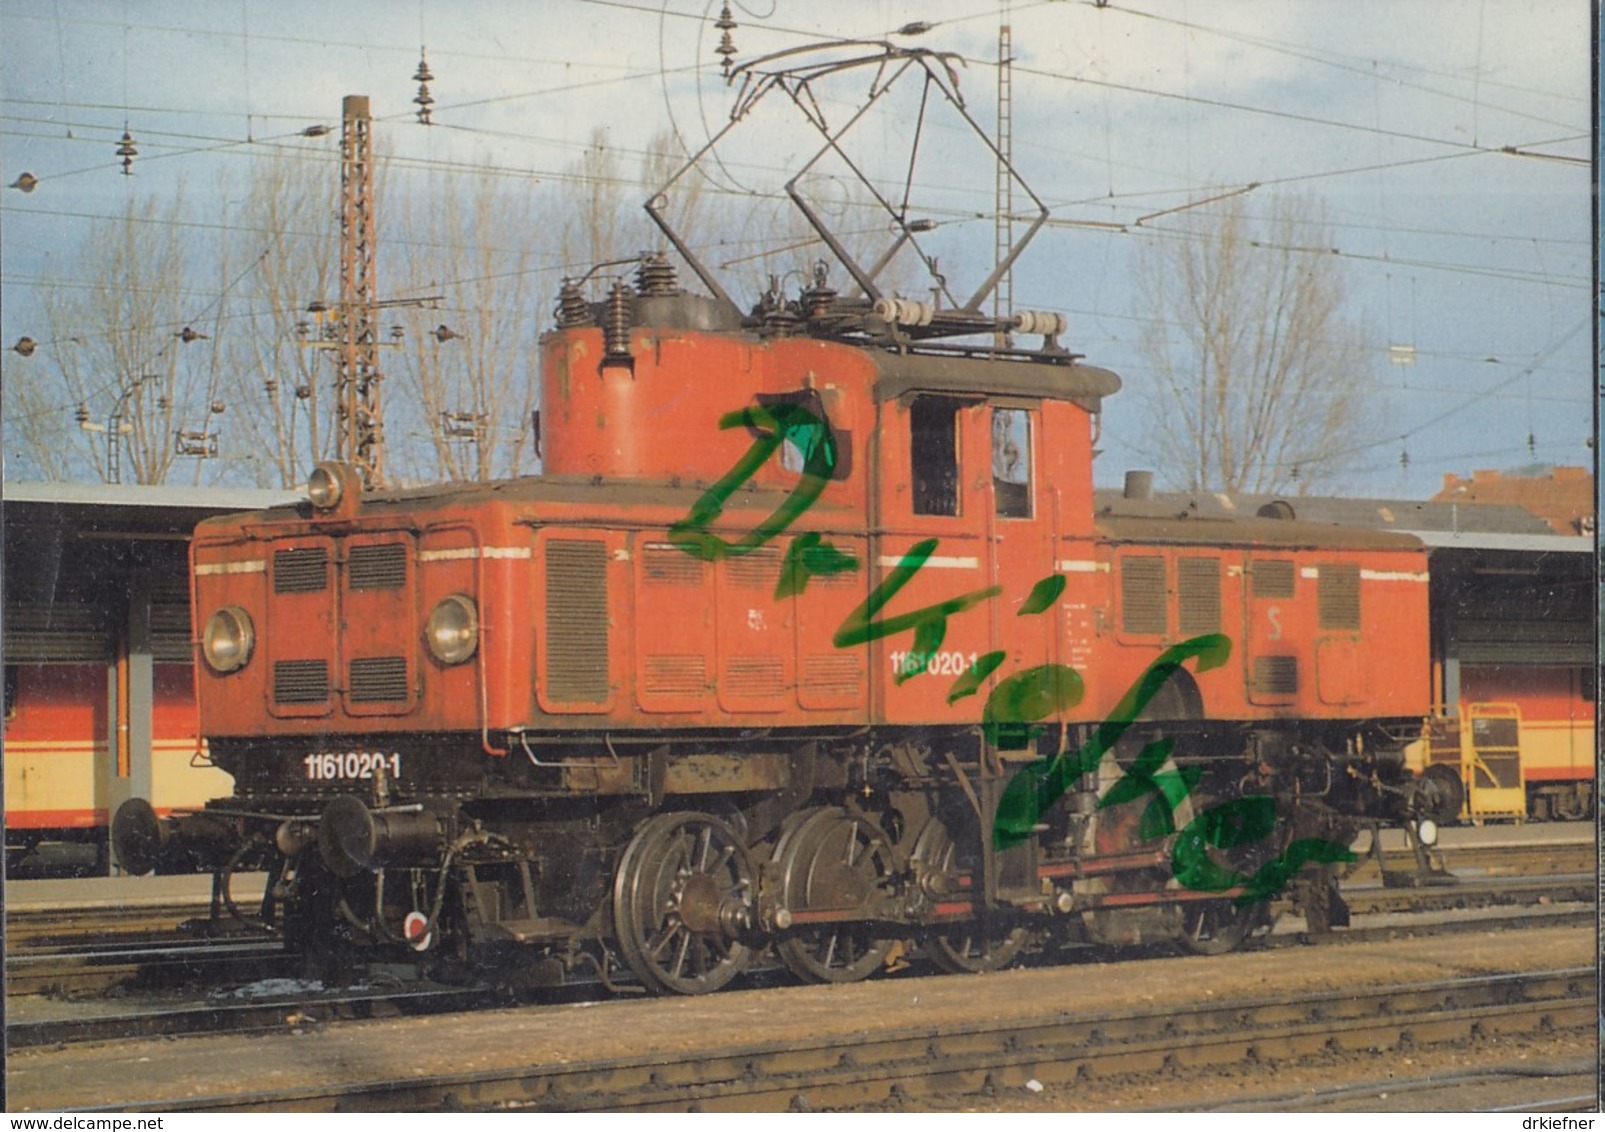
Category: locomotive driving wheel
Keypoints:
(681, 897)
(829, 859)
(974, 945)
(1215, 927)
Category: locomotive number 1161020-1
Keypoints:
(326, 766)
(940, 663)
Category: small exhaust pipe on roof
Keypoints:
(1139, 485)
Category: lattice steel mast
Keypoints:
(1003, 296)
(361, 439)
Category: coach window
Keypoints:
(934, 444)
(1011, 462)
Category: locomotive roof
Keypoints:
(966, 374)
(578, 490)
(1190, 528)
(1414, 515)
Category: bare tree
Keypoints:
(1253, 366)
(114, 316)
(280, 260)
(467, 368)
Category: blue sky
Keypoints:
(1447, 142)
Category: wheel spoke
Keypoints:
(667, 937)
(686, 941)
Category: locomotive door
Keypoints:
(300, 630)
(1020, 535)
(378, 624)
(1270, 656)
(1020, 541)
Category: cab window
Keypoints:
(934, 445)
(1011, 463)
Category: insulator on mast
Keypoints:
(727, 47)
(424, 100)
(127, 151)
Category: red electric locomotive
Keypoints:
(807, 639)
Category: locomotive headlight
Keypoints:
(228, 638)
(324, 487)
(453, 629)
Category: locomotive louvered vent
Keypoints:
(1198, 595)
(664, 564)
(1142, 594)
(758, 569)
(300, 681)
(754, 677)
(301, 571)
(839, 578)
(1339, 596)
(833, 674)
(381, 566)
(576, 620)
(1272, 579)
(676, 675)
(378, 680)
(1276, 675)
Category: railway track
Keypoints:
(1087, 1030)
(75, 970)
(899, 1067)
(260, 1005)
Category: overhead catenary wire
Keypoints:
(1484, 268)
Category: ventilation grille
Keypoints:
(1142, 594)
(840, 578)
(754, 677)
(576, 620)
(1276, 675)
(682, 676)
(301, 571)
(379, 680)
(1198, 595)
(833, 674)
(1338, 596)
(1272, 579)
(377, 567)
(758, 569)
(300, 681)
(664, 564)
